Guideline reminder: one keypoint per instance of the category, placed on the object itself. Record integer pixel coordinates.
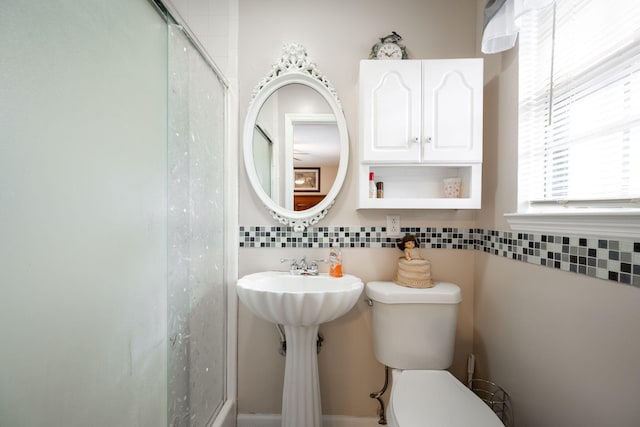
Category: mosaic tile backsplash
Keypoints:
(615, 260)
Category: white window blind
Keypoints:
(579, 111)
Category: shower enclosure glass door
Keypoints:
(112, 233)
(196, 291)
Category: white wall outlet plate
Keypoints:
(393, 226)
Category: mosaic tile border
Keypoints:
(353, 237)
(614, 260)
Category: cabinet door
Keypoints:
(390, 98)
(452, 110)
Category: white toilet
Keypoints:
(414, 334)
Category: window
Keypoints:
(579, 110)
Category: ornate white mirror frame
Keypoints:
(294, 67)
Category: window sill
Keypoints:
(607, 224)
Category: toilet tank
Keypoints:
(414, 328)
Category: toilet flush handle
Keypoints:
(369, 302)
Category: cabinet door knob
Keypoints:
(416, 140)
(428, 140)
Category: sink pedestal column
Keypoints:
(301, 395)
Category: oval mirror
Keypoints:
(296, 147)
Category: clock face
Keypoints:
(389, 51)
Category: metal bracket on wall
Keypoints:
(377, 394)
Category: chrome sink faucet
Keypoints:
(302, 268)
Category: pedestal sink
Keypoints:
(301, 304)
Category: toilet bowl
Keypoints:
(435, 398)
(414, 334)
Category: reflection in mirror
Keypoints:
(295, 122)
(263, 158)
(296, 128)
(312, 142)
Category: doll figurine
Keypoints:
(413, 270)
(409, 244)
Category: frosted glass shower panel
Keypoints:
(196, 293)
(82, 213)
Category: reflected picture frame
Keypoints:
(306, 180)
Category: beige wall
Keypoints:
(337, 35)
(565, 346)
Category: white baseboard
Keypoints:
(275, 420)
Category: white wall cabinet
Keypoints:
(421, 122)
(390, 111)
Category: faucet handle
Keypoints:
(294, 263)
(303, 263)
(314, 265)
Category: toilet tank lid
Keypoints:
(390, 293)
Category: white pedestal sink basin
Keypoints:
(301, 304)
